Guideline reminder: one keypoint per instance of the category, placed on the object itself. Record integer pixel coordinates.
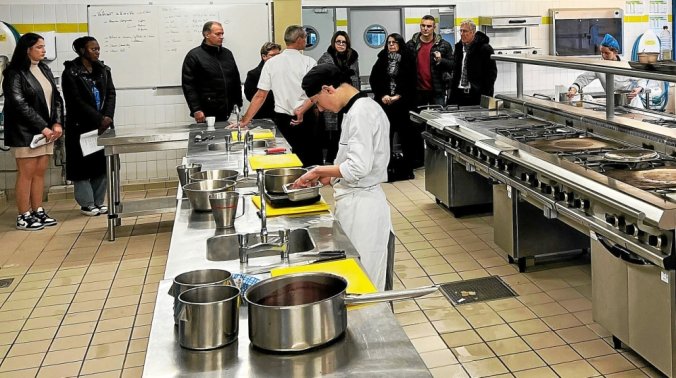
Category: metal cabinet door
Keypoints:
(609, 291)
(436, 171)
(651, 315)
(323, 21)
(359, 19)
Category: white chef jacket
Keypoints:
(621, 82)
(283, 75)
(361, 206)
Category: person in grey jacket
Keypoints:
(33, 109)
(340, 54)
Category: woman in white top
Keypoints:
(33, 108)
(359, 168)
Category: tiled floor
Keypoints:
(80, 305)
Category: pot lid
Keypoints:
(631, 155)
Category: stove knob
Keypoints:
(528, 177)
(611, 219)
(581, 204)
(456, 143)
(546, 189)
(631, 229)
(657, 241)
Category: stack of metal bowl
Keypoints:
(198, 192)
(275, 179)
(214, 174)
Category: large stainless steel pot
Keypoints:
(209, 317)
(275, 179)
(301, 311)
(197, 278)
(621, 98)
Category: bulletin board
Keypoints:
(145, 45)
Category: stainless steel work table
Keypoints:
(374, 343)
(138, 139)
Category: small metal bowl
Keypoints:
(303, 193)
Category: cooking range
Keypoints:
(565, 182)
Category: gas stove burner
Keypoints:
(661, 122)
(649, 179)
(631, 155)
(537, 132)
(573, 144)
(494, 117)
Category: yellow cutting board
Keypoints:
(267, 134)
(357, 280)
(274, 161)
(272, 211)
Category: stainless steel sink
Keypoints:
(226, 247)
(236, 146)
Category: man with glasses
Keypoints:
(268, 50)
(210, 80)
(475, 72)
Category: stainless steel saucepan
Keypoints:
(302, 311)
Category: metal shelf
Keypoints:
(149, 206)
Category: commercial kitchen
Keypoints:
(537, 241)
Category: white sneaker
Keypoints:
(91, 211)
(103, 209)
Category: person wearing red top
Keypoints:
(434, 62)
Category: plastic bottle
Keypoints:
(665, 43)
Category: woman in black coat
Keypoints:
(393, 80)
(33, 110)
(90, 105)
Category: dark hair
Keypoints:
(429, 17)
(269, 46)
(207, 27)
(348, 45)
(400, 41)
(81, 43)
(20, 59)
(323, 74)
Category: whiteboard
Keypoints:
(145, 45)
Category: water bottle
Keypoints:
(665, 42)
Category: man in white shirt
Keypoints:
(283, 75)
(360, 166)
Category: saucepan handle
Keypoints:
(390, 296)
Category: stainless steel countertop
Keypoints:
(374, 344)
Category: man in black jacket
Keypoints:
(211, 83)
(475, 72)
(434, 62)
(268, 50)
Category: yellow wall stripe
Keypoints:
(415, 20)
(459, 20)
(637, 18)
(341, 22)
(546, 20)
(62, 27)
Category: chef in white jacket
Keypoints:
(609, 51)
(360, 166)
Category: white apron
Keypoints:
(364, 215)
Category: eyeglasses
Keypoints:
(341, 42)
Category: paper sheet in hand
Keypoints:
(38, 140)
(88, 142)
